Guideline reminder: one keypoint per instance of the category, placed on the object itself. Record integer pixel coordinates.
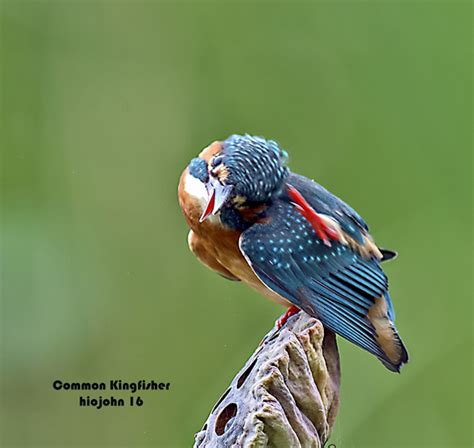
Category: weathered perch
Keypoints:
(286, 395)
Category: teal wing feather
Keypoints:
(334, 284)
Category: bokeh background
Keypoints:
(105, 102)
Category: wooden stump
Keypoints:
(286, 395)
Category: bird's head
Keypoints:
(240, 172)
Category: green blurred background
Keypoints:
(103, 105)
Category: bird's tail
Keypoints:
(381, 317)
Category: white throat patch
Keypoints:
(197, 191)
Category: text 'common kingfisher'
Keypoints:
(289, 238)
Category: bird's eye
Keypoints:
(217, 161)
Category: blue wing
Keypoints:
(347, 292)
(325, 202)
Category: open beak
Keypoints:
(218, 195)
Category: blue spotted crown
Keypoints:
(256, 166)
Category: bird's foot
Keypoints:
(292, 310)
(323, 230)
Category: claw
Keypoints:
(291, 311)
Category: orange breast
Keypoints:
(217, 246)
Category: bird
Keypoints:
(253, 220)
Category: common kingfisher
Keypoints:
(253, 220)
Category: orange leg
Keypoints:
(323, 231)
(292, 310)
